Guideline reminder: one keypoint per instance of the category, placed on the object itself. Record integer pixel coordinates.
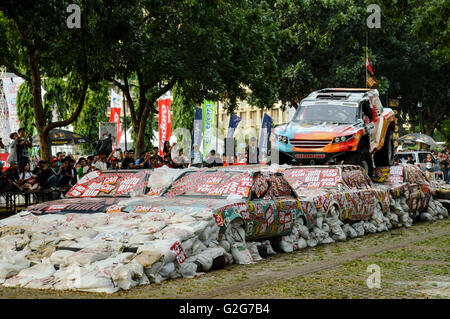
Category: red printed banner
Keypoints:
(116, 106)
(3, 158)
(177, 249)
(164, 122)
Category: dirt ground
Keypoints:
(414, 263)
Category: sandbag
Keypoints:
(188, 270)
(426, 216)
(128, 275)
(270, 250)
(87, 256)
(254, 252)
(241, 254)
(359, 228)
(301, 243)
(349, 231)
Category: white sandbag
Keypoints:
(303, 231)
(198, 246)
(369, 228)
(8, 270)
(349, 231)
(138, 238)
(13, 242)
(235, 232)
(59, 257)
(38, 271)
(286, 244)
(382, 227)
(167, 271)
(152, 226)
(161, 246)
(253, 249)
(40, 241)
(241, 254)
(359, 228)
(325, 227)
(175, 231)
(301, 243)
(312, 242)
(270, 250)
(205, 259)
(125, 258)
(188, 270)
(43, 283)
(226, 245)
(87, 256)
(426, 216)
(128, 276)
(319, 234)
(17, 281)
(327, 240)
(96, 281)
(337, 233)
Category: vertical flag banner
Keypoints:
(234, 122)
(116, 106)
(11, 88)
(164, 122)
(264, 135)
(197, 128)
(208, 118)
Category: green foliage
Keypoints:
(93, 112)
(183, 110)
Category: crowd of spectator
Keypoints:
(63, 171)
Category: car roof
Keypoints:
(341, 94)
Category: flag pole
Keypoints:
(217, 127)
(367, 54)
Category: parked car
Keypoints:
(406, 180)
(335, 125)
(97, 192)
(262, 202)
(343, 191)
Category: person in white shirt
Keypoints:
(100, 164)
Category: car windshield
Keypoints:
(211, 183)
(109, 184)
(404, 157)
(312, 177)
(326, 113)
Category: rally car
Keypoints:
(97, 192)
(342, 191)
(338, 126)
(406, 180)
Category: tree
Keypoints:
(324, 45)
(37, 41)
(182, 109)
(212, 49)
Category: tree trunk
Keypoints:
(39, 115)
(141, 129)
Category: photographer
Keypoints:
(23, 144)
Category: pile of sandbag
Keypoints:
(107, 252)
(434, 211)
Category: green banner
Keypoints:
(208, 120)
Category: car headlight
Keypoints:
(282, 139)
(341, 139)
